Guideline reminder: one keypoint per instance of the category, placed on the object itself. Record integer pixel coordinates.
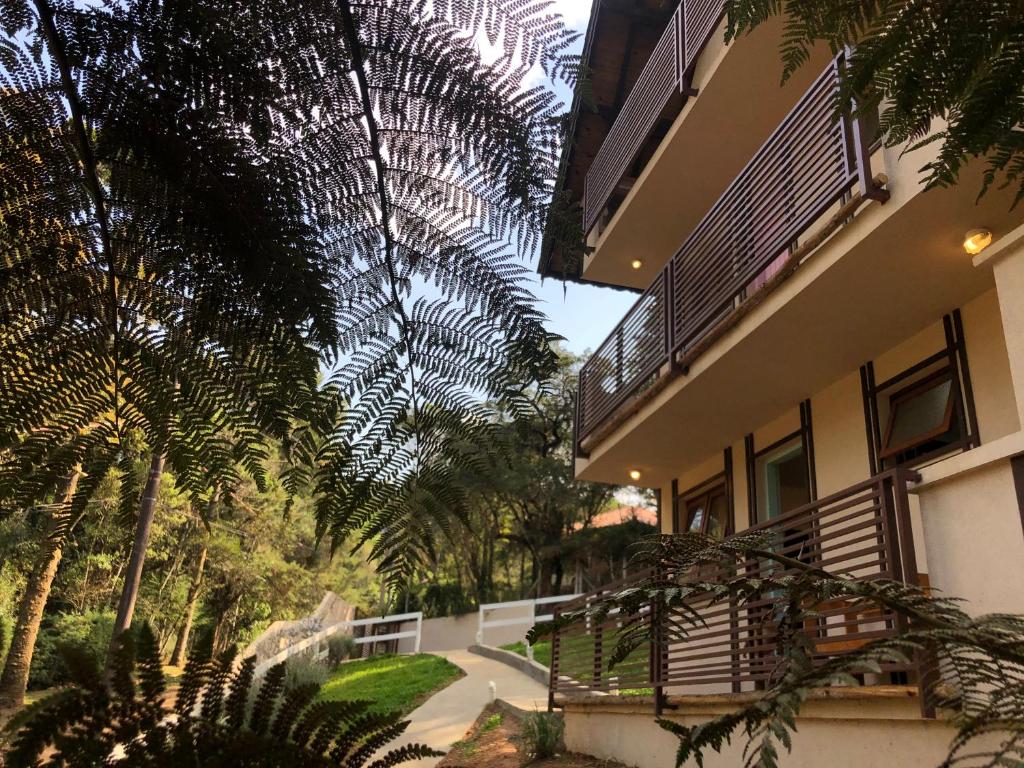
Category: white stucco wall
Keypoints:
(832, 734)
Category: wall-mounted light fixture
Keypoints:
(977, 240)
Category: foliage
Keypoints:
(437, 599)
(607, 550)
(393, 683)
(980, 659)
(528, 521)
(89, 632)
(958, 61)
(523, 503)
(303, 670)
(211, 723)
(453, 171)
(340, 648)
(262, 565)
(196, 225)
(541, 735)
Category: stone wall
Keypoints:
(282, 634)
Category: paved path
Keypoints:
(446, 716)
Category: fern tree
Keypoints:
(219, 717)
(427, 168)
(371, 141)
(977, 661)
(159, 280)
(960, 61)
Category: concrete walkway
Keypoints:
(446, 716)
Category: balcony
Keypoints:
(863, 531)
(694, 115)
(666, 75)
(740, 249)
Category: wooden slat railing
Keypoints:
(808, 164)
(627, 361)
(700, 17)
(863, 531)
(657, 83)
(803, 168)
(666, 74)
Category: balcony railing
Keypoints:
(863, 532)
(809, 164)
(666, 74)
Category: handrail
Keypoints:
(808, 165)
(658, 82)
(314, 640)
(864, 531)
(532, 618)
(667, 73)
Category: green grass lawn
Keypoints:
(542, 655)
(541, 651)
(392, 683)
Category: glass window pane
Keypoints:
(695, 513)
(921, 414)
(782, 480)
(718, 516)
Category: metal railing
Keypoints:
(666, 74)
(315, 644)
(863, 532)
(810, 162)
(627, 362)
(657, 83)
(529, 618)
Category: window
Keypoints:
(707, 512)
(924, 413)
(921, 419)
(783, 481)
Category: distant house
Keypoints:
(820, 349)
(621, 515)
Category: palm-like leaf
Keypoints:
(129, 723)
(426, 167)
(198, 195)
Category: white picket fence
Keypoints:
(313, 641)
(531, 618)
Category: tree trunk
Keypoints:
(543, 577)
(133, 576)
(14, 679)
(181, 644)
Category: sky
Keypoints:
(583, 314)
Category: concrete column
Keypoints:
(1006, 259)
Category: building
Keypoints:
(819, 346)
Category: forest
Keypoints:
(224, 572)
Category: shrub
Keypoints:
(340, 648)
(304, 670)
(88, 632)
(211, 725)
(541, 735)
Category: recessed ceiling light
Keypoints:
(636, 264)
(634, 474)
(977, 240)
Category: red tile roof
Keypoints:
(622, 515)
